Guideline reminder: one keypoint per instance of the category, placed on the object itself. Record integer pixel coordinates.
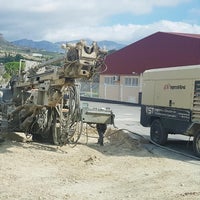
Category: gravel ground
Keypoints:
(124, 168)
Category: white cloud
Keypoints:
(74, 19)
(109, 6)
(121, 33)
(140, 6)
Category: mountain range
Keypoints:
(56, 47)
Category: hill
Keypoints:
(13, 49)
(41, 45)
(5, 45)
(55, 47)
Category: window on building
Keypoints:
(131, 81)
(109, 80)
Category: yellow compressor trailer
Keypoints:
(171, 103)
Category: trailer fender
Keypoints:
(193, 129)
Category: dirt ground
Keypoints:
(124, 168)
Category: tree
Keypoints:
(12, 68)
(18, 57)
(9, 58)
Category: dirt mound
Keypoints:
(122, 139)
(114, 138)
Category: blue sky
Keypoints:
(188, 12)
(123, 21)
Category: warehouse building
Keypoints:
(122, 81)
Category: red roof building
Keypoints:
(155, 51)
(122, 80)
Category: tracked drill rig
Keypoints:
(45, 98)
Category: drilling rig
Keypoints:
(45, 99)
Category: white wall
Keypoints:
(120, 91)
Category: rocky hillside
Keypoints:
(4, 44)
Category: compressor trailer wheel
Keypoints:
(196, 144)
(158, 133)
